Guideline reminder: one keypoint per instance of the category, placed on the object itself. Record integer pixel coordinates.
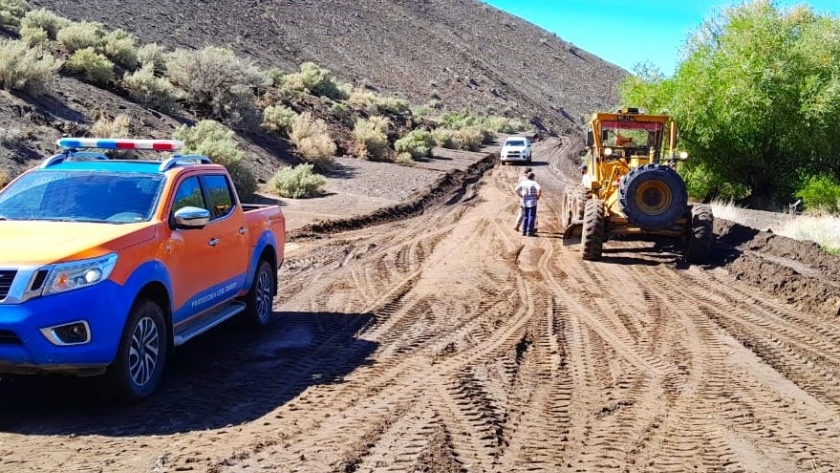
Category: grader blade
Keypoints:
(572, 234)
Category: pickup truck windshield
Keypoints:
(515, 143)
(83, 196)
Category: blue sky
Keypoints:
(601, 27)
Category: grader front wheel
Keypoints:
(592, 237)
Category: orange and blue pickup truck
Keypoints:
(107, 265)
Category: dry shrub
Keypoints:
(371, 141)
(4, 179)
(81, 35)
(418, 143)
(404, 159)
(212, 139)
(154, 54)
(468, 139)
(298, 182)
(46, 20)
(444, 137)
(313, 141)
(380, 123)
(215, 80)
(119, 127)
(314, 80)
(119, 47)
(34, 36)
(11, 11)
(24, 68)
(278, 118)
(92, 66)
(10, 136)
(146, 88)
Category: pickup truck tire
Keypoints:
(260, 299)
(141, 355)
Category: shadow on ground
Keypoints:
(229, 376)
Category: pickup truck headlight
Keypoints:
(79, 274)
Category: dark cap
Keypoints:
(528, 170)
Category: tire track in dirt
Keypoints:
(781, 338)
(729, 387)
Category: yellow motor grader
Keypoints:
(630, 188)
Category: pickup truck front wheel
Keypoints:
(141, 356)
(260, 298)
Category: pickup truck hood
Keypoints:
(514, 148)
(25, 243)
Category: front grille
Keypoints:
(6, 278)
(7, 337)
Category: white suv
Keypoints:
(516, 148)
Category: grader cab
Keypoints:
(630, 188)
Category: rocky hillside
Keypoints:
(462, 53)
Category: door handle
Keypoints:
(213, 242)
(242, 230)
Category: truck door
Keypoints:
(229, 236)
(205, 264)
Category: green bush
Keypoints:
(214, 140)
(81, 35)
(371, 141)
(468, 139)
(704, 185)
(314, 80)
(391, 105)
(34, 36)
(313, 141)
(146, 88)
(92, 66)
(11, 12)
(298, 182)
(278, 118)
(444, 137)
(418, 143)
(215, 80)
(45, 20)
(375, 104)
(821, 193)
(274, 77)
(119, 46)
(24, 68)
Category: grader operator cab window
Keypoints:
(621, 134)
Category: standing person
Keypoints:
(530, 192)
(521, 212)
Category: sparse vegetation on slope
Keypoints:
(319, 115)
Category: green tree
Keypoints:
(757, 97)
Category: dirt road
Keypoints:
(446, 342)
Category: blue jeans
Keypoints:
(529, 218)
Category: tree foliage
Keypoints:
(756, 96)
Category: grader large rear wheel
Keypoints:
(652, 196)
(592, 235)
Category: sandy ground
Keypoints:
(443, 341)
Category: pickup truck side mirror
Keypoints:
(191, 217)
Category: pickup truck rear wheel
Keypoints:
(260, 298)
(141, 356)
